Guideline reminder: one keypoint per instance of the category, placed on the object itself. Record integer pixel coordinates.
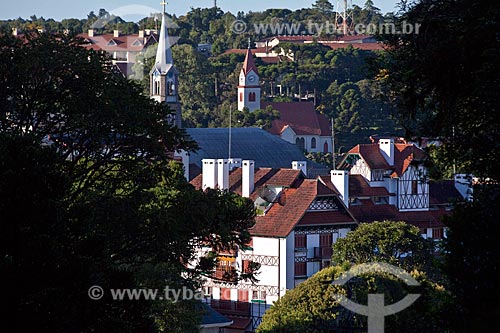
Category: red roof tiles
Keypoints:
(300, 116)
(359, 187)
(249, 63)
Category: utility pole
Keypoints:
(333, 147)
(215, 4)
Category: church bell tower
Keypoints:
(164, 78)
(249, 87)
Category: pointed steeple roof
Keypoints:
(164, 60)
(249, 63)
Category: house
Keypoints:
(299, 220)
(389, 181)
(299, 122)
(123, 49)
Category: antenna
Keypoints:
(344, 12)
(333, 147)
(230, 111)
(215, 4)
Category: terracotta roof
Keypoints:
(371, 155)
(300, 116)
(359, 187)
(249, 63)
(370, 212)
(282, 217)
(326, 218)
(108, 42)
(404, 154)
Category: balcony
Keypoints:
(323, 252)
(226, 275)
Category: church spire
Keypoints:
(164, 59)
(249, 63)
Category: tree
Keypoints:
(311, 306)
(473, 260)
(444, 80)
(396, 243)
(324, 6)
(93, 198)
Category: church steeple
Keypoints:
(164, 75)
(249, 87)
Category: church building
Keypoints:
(164, 77)
(299, 122)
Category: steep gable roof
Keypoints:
(249, 63)
(371, 155)
(300, 116)
(292, 210)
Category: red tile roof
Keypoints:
(371, 155)
(282, 217)
(359, 187)
(360, 46)
(300, 116)
(370, 212)
(249, 63)
(108, 42)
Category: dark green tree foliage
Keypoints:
(311, 307)
(396, 243)
(473, 260)
(445, 78)
(90, 196)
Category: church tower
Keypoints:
(164, 76)
(248, 87)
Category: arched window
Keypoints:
(170, 88)
(300, 142)
(241, 97)
(325, 147)
(313, 143)
(251, 97)
(157, 87)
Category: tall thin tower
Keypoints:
(343, 18)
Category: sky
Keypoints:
(133, 10)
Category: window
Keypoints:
(243, 295)
(325, 240)
(246, 266)
(437, 233)
(241, 97)
(325, 147)
(225, 294)
(300, 241)
(380, 200)
(313, 143)
(255, 294)
(208, 291)
(300, 269)
(414, 187)
(251, 97)
(300, 142)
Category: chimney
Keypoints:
(386, 147)
(300, 165)
(234, 163)
(184, 155)
(247, 178)
(223, 174)
(340, 179)
(209, 173)
(14, 32)
(463, 184)
(141, 33)
(91, 33)
(116, 33)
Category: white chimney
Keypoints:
(141, 33)
(116, 33)
(223, 174)
(91, 33)
(463, 184)
(340, 179)
(14, 32)
(209, 173)
(234, 163)
(247, 178)
(185, 162)
(300, 165)
(386, 147)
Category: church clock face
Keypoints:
(251, 78)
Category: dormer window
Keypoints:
(137, 43)
(112, 43)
